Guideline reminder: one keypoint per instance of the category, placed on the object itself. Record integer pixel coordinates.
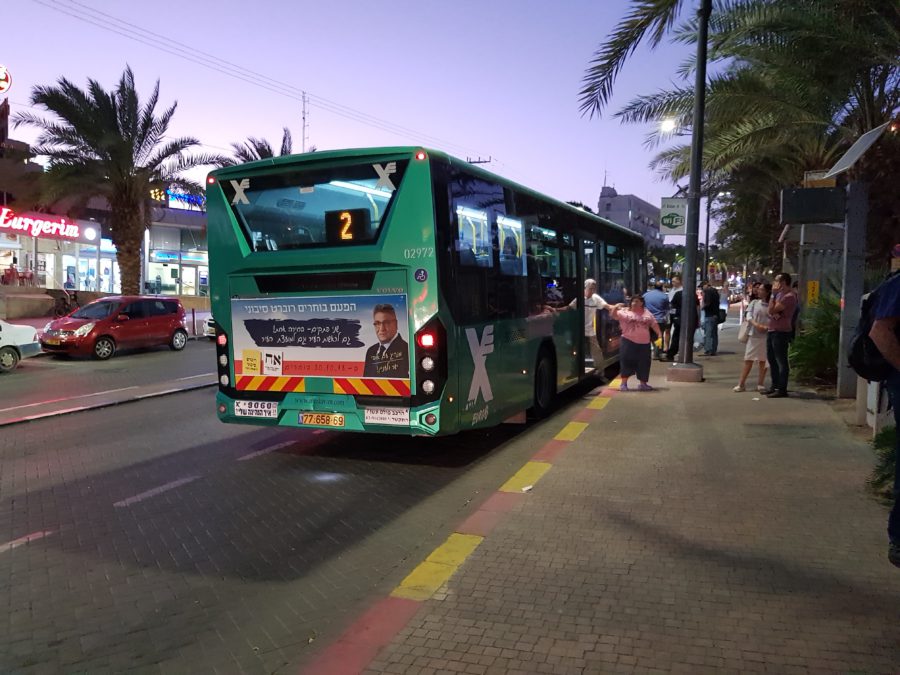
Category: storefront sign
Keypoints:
(45, 226)
(5, 79)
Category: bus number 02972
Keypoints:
(423, 252)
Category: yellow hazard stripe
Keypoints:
(389, 388)
(528, 475)
(437, 568)
(255, 383)
(599, 402)
(359, 386)
(281, 383)
(571, 431)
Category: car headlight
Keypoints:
(47, 327)
(84, 330)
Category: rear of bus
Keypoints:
(324, 288)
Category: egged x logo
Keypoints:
(480, 350)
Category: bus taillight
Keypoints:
(222, 339)
(420, 155)
(431, 361)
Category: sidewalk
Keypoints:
(691, 529)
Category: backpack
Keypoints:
(864, 357)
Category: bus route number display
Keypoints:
(347, 226)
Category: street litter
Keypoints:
(527, 488)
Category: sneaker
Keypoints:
(762, 390)
(623, 386)
(777, 394)
(644, 387)
(739, 388)
(894, 554)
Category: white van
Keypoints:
(16, 343)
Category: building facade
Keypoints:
(631, 212)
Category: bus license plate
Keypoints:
(322, 419)
(256, 408)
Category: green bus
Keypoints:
(403, 291)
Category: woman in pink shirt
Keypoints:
(634, 352)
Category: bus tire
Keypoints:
(544, 384)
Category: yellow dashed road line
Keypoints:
(571, 431)
(437, 568)
(528, 475)
(598, 403)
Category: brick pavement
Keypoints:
(690, 530)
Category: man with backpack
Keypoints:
(885, 334)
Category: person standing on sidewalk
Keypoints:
(634, 352)
(758, 320)
(781, 314)
(710, 319)
(885, 334)
(592, 304)
(657, 302)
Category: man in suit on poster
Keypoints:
(390, 356)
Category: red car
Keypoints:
(118, 322)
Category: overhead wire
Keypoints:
(100, 19)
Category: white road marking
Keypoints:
(21, 541)
(155, 491)
(158, 393)
(191, 377)
(257, 453)
(69, 398)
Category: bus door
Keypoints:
(590, 268)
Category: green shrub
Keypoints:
(882, 479)
(814, 352)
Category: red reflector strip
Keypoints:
(371, 386)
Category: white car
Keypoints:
(209, 328)
(16, 343)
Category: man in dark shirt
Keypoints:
(885, 334)
(710, 319)
(676, 305)
(781, 315)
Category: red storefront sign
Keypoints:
(44, 226)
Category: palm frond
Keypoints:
(647, 18)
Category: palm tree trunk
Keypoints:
(128, 226)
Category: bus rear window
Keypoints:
(338, 206)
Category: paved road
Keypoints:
(151, 536)
(66, 380)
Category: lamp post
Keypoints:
(686, 370)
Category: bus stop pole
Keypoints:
(686, 370)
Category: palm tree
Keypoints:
(799, 82)
(254, 149)
(106, 144)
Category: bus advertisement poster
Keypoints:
(348, 336)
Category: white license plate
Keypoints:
(256, 408)
(322, 419)
(391, 416)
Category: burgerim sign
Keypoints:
(43, 226)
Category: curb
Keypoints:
(103, 404)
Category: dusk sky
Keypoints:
(495, 79)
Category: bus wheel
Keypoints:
(544, 384)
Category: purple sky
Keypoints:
(474, 78)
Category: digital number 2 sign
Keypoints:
(347, 226)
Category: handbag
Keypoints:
(744, 330)
(723, 315)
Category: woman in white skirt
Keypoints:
(758, 320)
